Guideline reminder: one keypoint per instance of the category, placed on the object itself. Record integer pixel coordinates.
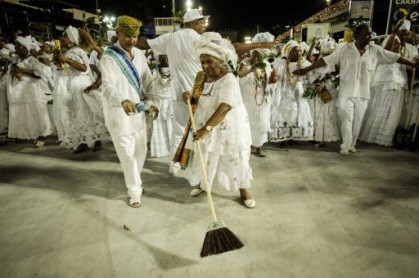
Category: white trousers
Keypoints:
(132, 151)
(351, 113)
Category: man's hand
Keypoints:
(154, 111)
(129, 107)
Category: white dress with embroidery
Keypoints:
(162, 126)
(226, 149)
(293, 119)
(256, 96)
(28, 112)
(75, 121)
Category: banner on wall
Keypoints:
(318, 31)
(361, 9)
(400, 8)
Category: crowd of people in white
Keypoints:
(39, 99)
(54, 88)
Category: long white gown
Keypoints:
(28, 112)
(226, 149)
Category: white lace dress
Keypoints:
(226, 149)
(75, 121)
(28, 112)
(256, 96)
(293, 119)
(162, 126)
(326, 127)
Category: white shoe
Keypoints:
(174, 167)
(250, 203)
(352, 150)
(196, 192)
(344, 152)
(135, 202)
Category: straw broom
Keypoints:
(219, 238)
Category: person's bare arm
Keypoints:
(214, 120)
(142, 44)
(318, 64)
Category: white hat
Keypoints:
(263, 37)
(406, 25)
(193, 14)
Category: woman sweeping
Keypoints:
(222, 123)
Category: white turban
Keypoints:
(263, 37)
(10, 46)
(213, 44)
(35, 45)
(288, 47)
(73, 34)
(25, 41)
(327, 46)
(406, 25)
(4, 52)
(110, 34)
(304, 46)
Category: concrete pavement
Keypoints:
(318, 214)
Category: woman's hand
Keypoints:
(61, 58)
(186, 95)
(200, 133)
(273, 78)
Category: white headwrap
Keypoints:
(263, 37)
(4, 52)
(110, 34)
(304, 46)
(25, 41)
(35, 45)
(406, 25)
(327, 46)
(288, 47)
(73, 34)
(213, 44)
(10, 46)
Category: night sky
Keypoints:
(228, 14)
(225, 14)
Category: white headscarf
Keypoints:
(286, 49)
(25, 41)
(73, 34)
(10, 46)
(213, 44)
(406, 25)
(263, 37)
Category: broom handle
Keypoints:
(201, 160)
(410, 102)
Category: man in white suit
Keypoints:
(125, 77)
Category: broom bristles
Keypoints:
(219, 240)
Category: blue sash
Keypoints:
(126, 66)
